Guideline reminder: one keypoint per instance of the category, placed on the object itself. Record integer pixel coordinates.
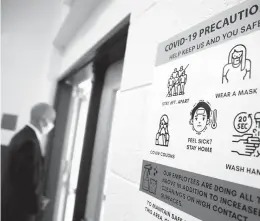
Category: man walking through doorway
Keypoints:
(23, 184)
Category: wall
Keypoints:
(101, 21)
(28, 29)
(151, 20)
(30, 65)
(164, 18)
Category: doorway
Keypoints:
(74, 162)
(96, 190)
(72, 150)
(107, 70)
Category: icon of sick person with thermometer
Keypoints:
(202, 116)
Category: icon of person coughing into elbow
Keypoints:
(162, 136)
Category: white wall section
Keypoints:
(28, 29)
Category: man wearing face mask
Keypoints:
(25, 171)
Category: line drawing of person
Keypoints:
(176, 84)
(181, 70)
(238, 67)
(162, 136)
(183, 80)
(175, 72)
(170, 86)
(200, 117)
(171, 83)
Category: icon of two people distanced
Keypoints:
(177, 82)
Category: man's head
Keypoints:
(200, 116)
(181, 68)
(43, 116)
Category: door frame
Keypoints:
(55, 146)
(96, 194)
(99, 55)
(101, 63)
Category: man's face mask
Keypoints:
(47, 127)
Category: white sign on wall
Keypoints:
(204, 129)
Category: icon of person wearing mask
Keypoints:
(238, 67)
(162, 136)
(201, 117)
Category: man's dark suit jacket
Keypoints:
(23, 183)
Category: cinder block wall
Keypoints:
(151, 21)
(162, 18)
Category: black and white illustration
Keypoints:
(238, 67)
(162, 135)
(247, 137)
(177, 82)
(149, 182)
(202, 116)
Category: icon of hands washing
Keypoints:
(248, 141)
(247, 144)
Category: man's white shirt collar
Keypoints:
(38, 135)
